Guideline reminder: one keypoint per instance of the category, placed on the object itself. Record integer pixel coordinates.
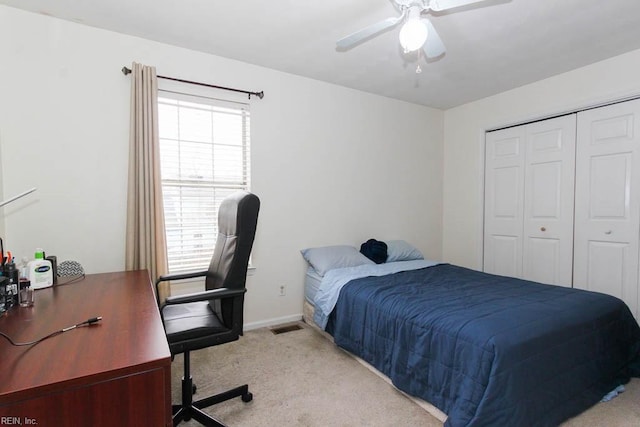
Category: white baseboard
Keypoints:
(272, 322)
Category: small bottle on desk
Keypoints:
(40, 273)
(26, 293)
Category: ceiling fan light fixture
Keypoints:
(413, 33)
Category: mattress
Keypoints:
(312, 282)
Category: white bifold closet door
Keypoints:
(529, 187)
(607, 220)
(504, 201)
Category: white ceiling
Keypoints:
(493, 46)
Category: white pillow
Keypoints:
(399, 250)
(327, 258)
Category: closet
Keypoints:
(529, 186)
(562, 201)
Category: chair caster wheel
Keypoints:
(247, 397)
(193, 389)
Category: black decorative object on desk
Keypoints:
(3, 291)
(10, 272)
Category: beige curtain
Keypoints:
(145, 247)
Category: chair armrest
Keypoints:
(219, 293)
(181, 276)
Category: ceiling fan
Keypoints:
(417, 31)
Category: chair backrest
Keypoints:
(237, 221)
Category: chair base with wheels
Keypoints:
(190, 409)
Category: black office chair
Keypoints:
(214, 316)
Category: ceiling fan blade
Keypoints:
(440, 5)
(433, 47)
(363, 34)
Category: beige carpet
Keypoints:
(300, 378)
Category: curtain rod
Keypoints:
(260, 94)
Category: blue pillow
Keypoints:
(399, 250)
(327, 258)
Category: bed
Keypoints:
(486, 350)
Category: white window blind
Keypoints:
(204, 152)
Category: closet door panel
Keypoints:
(608, 201)
(504, 198)
(543, 252)
(504, 256)
(548, 205)
(610, 182)
(606, 263)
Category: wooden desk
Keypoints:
(117, 372)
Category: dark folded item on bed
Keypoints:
(489, 350)
(375, 250)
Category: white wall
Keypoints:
(464, 129)
(331, 165)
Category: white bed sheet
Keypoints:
(311, 284)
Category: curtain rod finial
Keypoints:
(260, 94)
(126, 71)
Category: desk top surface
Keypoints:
(129, 338)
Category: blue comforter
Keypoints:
(489, 350)
(327, 295)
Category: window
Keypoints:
(204, 154)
